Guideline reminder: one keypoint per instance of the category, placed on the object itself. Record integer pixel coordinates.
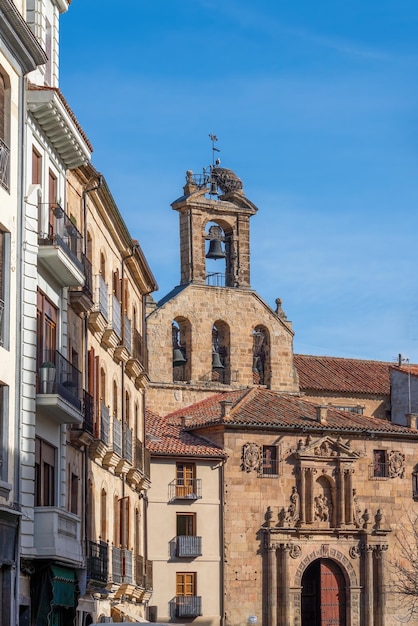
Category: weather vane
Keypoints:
(214, 138)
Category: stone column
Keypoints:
(368, 595)
(302, 515)
(284, 583)
(380, 585)
(349, 506)
(340, 516)
(272, 589)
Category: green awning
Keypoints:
(63, 586)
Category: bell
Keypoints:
(178, 357)
(215, 250)
(216, 361)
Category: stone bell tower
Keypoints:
(229, 211)
(212, 332)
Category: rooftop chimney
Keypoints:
(321, 413)
(411, 420)
(225, 407)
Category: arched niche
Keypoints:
(261, 356)
(324, 501)
(182, 342)
(221, 365)
(219, 256)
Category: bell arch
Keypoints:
(221, 365)
(181, 330)
(261, 356)
(219, 246)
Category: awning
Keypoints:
(63, 586)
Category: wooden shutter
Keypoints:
(124, 522)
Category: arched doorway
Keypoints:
(323, 594)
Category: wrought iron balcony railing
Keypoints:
(122, 570)
(188, 606)
(116, 315)
(188, 546)
(98, 561)
(4, 165)
(143, 573)
(65, 234)
(185, 489)
(104, 431)
(56, 375)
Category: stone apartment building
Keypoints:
(106, 319)
(20, 54)
(318, 487)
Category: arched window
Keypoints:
(221, 369)
(182, 341)
(116, 528)
(261, 356)
(103, 515)
(89, 247)
(115, 399)
(102, 393)
(127, 409)
(91, 512)
(103, 266)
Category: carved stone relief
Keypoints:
(252, 457)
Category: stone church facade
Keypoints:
(317, 500)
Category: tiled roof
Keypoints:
(336, 374)
(259, 407)
(167, 436)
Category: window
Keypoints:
(351, 409)
(270, 466)
(185, 480)
(380, 465)
(4, 131)
(4, 409)
(52, 199)
(47, 339)
(45, 455)
(186, 524)
(74, 480)
(124, 522)
(188, 604)
(4, 287)
(36, 167)
(103, 515)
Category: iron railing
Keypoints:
(65, 234)
(378, 470)
(4, 165)
(127, 451)
(116, 315)
(104, 424)
(215, 279)
(188, 606)
(117, 436)
(88, 406)
(188, 546)
(185, 489)
(122, 570)
(56, 375)
(127, 333)
(139, 349)
(139, 454)
(102, 297)
(97, 561)
(1, 322)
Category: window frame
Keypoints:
(45, 473)
(189, 521)
(270, 466)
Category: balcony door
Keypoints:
(186, 473)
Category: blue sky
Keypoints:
(315, 106)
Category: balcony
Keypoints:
(122, 566)
(58, 388)
(112, 335)
(188, 606)
(2, 323)
(57, 534)
(99, 447)
(81, 298)
(4, 165)
(59, 251)
(188, 546)
(124, 350)
(143, 573)
(99, 317)
(136, 365)
(185, 489)
(97, 561)
(83, 435)
(136, 474)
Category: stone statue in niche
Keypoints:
(293, 511)
(356, 510)
(322, 508)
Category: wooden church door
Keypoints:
(323, 595)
